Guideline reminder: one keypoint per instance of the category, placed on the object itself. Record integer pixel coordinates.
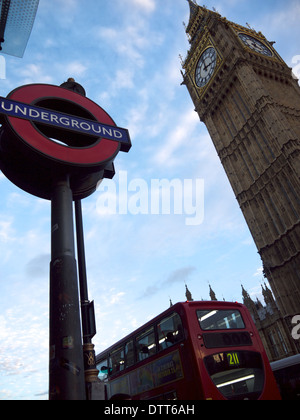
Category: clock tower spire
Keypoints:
(193, 7)
(245, 94)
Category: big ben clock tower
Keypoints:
(250, 103)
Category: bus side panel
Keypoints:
(191, 388)
(208, 389)
(271, 390)
(203, 387)
(185, 388)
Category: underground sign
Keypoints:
(49, 131)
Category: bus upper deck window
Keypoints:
(220, 319)
(170, 331)
(117, 360)
(129, 354)
(146, 345)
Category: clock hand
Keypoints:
(256, 45)
(206, 67)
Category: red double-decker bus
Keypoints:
(192, 351)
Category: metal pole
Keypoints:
(66, 369)
(87, 308)
(82, 272)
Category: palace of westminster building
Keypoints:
(249, 101)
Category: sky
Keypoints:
(140, 250)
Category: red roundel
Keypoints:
(101, 151)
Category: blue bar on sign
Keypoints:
(65, 121)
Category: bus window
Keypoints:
(117, 360)
(170, 331)
(102, 366)
(220, 320)
(129, 354)
(146, 345)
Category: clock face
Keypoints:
(255, 45)
(206, 67)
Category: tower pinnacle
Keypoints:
(193, 6)
(212, 294)
(188, 294)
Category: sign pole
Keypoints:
(89, 141)
(87, 309)
(66, 370)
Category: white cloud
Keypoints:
(18, 200)
(75, 69)
(35, 73)
(180, 275)
(259, 272)
(147, 6)
(137, 114)
(116, 297)
(290, 13)
(6, 231)
(133, 42)
(167, 154)
(67, 4)
(23, 351)
(130, 40)
(122, 79)
(65, 16)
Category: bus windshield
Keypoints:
(237, 374)
(220, 320)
